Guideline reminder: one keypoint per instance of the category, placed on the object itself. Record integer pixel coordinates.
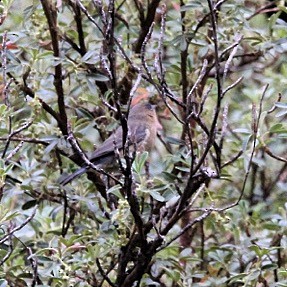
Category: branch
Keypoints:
(200, 218)
(72, 140)
(255, 125)
(12, 134)
(211, 138)
(78, 20)
(271, 154)
(17, 228)
(145, 25)
(51, 14)
(105, 276)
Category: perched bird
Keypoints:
(142, 129)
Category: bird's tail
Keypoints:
(72, 176)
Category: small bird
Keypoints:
(142, 129)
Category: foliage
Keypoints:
(209, 209)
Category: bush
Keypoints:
(207, 207)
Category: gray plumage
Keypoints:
(142, 128)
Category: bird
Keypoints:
(143, 125)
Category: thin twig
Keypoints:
(72, 140)
(235, 46)
(203, 100)
(12, 134)
(10, 251)
(231, 86)
(211, 138)
(232, 160)
(17, 228)
(34, 264)
(202, 74)
(224, 126)
(274, 106)
(270, 153)
(143, 50)
(51, 14)
(200, 218)
(255, 131)
(158, 62)
(104, 274)
(14, 151)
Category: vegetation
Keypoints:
(207, 207)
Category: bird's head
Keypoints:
(145, 112)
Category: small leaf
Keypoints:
(254, 275)
(29, 204)
(245, 142)
(140, 161)
(3, 283)
(237, 278)
(99, 77)
(278, 128)
(242, 131)
(281, 105)
(115, 190)
(183, 44)
(91, 57)
(281, 113)
(51, 146)
(271, 266)
(157, 196)
(170, 177)
(175, 141)
(181, 168)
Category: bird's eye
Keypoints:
(149, 106)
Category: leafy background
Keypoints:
(73, 236)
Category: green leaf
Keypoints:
(278, 128)
(29, 204)
(157, 196)
(271, 266)
(91, 57)
(116, 190)
(237, 278)
(174, 141)
(3, 283)
(281, 113)
(51, 146)
(182, 168)
(254, 275)
(3, 109)
(245, 142)
(98, 77)
(281, 105)
(183, 44)
(6, 215)
(242, 131)
(139, 162)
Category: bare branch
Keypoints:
(197, 82)
(12, 134)
(274, 107)
(255, 131)
(231, 86)
(207, 212)
(17, 228)
(72, 140)
(51, 14)
(270, 153)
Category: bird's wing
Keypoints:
(108, 146)
(69, 178)
(137, 134)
